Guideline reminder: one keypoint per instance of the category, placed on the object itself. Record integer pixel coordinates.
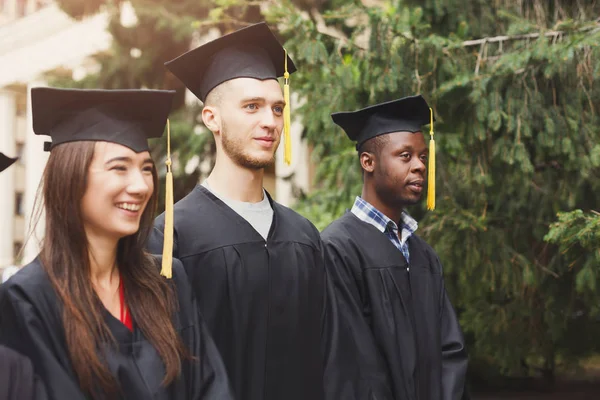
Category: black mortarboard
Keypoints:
(126, 117)
(251, 52)
(408, 114)
(5, 162)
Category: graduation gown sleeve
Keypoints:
(32, 335)
(454, 354)
(355, 369)
(205, 373)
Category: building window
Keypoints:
(19, 203)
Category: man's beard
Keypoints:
(391, 194)
(236, 152)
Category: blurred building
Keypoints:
(37, 38)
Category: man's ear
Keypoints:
(210, 117)
(367, 161)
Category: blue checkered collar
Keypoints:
(369, 214)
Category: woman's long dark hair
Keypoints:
(65, 257)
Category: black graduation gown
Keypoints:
(17, 379)
(262, 300)
(406, 313)
(30, 323)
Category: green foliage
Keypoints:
(517, 137)
(576, 228)
(578, 236)
(517, 132)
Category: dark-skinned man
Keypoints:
(389, 283)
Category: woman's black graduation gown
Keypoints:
(405, 311)
(262, 300)
(30, 321)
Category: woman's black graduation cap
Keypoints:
(126, 117)
(408, 114)
(251, 52)
(5, 162)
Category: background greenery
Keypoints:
(513, 84)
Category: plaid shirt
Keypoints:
(369, 214)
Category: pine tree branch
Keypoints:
(479, 57)
(546, 270)
(503, 38)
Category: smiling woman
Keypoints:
(92, 311)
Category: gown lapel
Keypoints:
(134, 358)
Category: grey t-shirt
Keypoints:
(259, 215)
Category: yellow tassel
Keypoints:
(287, 120)
(431, 167)
(167, 259)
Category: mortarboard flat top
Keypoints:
(5, 162)
(408, 114)
(251, 52)
(126, 117)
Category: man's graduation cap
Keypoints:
(408, 114)
(251, 52)
(5, 162)
(125, 117)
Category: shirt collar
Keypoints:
(367, 213)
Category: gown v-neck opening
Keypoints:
(237, 218)
(125, 315)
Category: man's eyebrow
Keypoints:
(257, 99)
(405, 147)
